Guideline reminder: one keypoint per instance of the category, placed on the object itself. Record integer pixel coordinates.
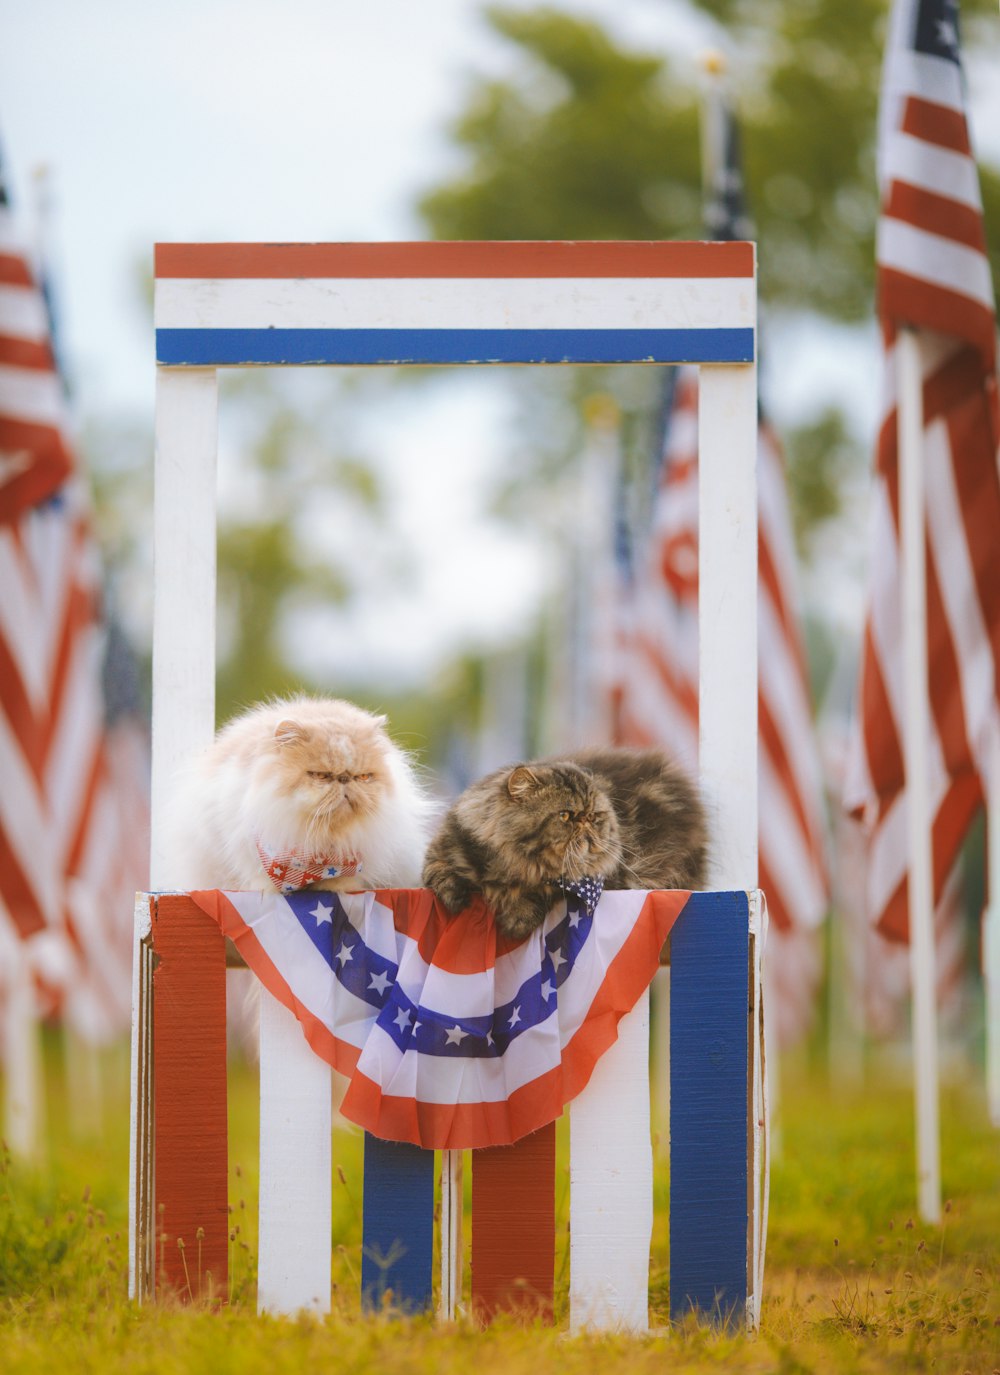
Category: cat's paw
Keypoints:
(453, 893)
(517, 917)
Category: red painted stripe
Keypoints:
(936, 124)
(189, 1058)
(514, 1227)
(456, 259)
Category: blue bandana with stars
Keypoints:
(586, 891)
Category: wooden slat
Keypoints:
(708, 1108)
(398, 1231)
(611, 1186)
(296, 1111)
(513, 1226)
(189, 1059)
(452, 1242)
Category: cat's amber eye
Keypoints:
(565, 816)
(323, 777)
(362, 778)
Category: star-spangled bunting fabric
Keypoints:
(450, 1035)
(933, 276)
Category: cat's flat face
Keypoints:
(558, 822)
(334, 773)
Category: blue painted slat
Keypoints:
(398, 1226)
(709, 971)
(229, 347)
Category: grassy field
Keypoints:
(853, 1282)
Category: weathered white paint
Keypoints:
(183, 585)
(727, 619)
(597, 303)
(293, 1268)
(452, 1246)
(916, 760)
(141, 1102)
(659, 1056)
(611, 1186)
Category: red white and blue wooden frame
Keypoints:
(454, 303)
(224, 305)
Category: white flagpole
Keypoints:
(916, 736)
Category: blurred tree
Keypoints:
(588, 139)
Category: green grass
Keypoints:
(853, 1282)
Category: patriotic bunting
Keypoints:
(451, 1035)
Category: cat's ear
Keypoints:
(521, 781)
(287, 732)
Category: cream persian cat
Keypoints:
(299, 792)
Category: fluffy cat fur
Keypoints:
(629, 817)
(314, 775)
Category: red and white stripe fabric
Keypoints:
(660, 695)
(70, 823)
(451, 1035)
(34, 456)
(934, 276)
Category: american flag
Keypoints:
(660, 691)
(934, 276)
(451, 1035)
(72, 800)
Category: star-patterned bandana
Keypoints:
(289, 870)
(587, 892)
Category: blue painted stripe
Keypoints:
(397, 1227)
(709, 972)
(230, 347)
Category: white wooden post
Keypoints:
(727, 618)
(293, 1267)
(183, 585)
(611, 1185)
(916, 756)
(452, 1243)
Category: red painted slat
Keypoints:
(514, 1226)
(189, 1060)
(457, 259)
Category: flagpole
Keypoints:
(916, 736)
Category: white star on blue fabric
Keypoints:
(379, 982)
(547, 989)
(557, 957)
(344, 954)
(402, 1019)
(515, 1017)
(322, 913)
(456, 1036)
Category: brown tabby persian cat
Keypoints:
(630, 818)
